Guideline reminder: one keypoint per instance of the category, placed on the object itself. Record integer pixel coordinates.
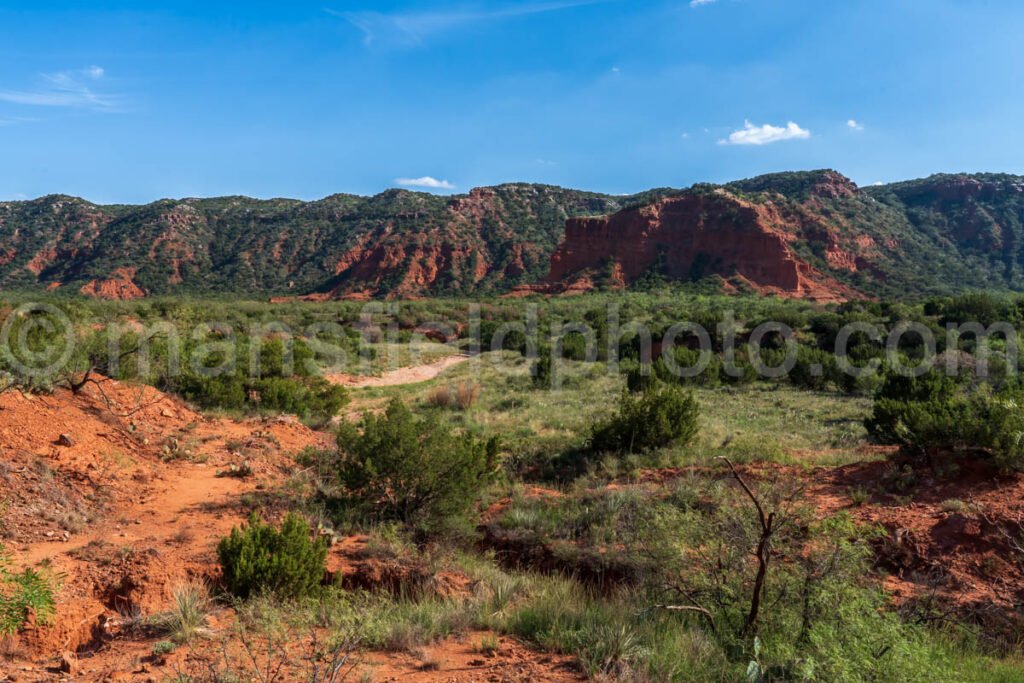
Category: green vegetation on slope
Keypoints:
(940, 235)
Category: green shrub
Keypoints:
(312, 397)
(916, 412)
(410, 470)
(574, 346)
(686, 360)
(28, 591)
(815, 369)
(933, 414)
(540, 372)
(259, 558)
(662, 416)
(640, 378)
(741, 371)
(512, 339)
(276, 383)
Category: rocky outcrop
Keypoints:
(694, 235)
(120, 286)
(806, 234)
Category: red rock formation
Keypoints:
(119, 287)
(834, 186)
(694, 235)
(374, 260)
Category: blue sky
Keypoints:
(129, 102)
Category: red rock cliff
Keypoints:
(693, 235)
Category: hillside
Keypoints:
(401, 243)
(809, 234)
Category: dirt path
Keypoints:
(163, 509)
(393, 378)
(182, 503)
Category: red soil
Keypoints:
(123, 525)
(949, 538)
(462, 660)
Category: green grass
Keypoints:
(781, 423)
(616, 636)
(187, 617)
(596, 521)
(757, 422)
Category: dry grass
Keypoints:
(187, 617)
(466, 394)
(461, 397)
(441, 397)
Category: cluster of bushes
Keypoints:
(228, 372)
(815, 365)
(35, 346)
(392, 467)
(276, 377)
(684, 609)
(935, 414)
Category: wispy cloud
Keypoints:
(853, 124)
(701, 3)
(410, 29)
(766, 134)
(14, 120)
(73, 88)
(425, 182)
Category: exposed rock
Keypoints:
(805, 234)
(65, 440)
(119, 287)
(691, 236)
(68, 663)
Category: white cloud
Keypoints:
(852, 124)
(64, 89)
(766, 134)
(426, 182)
(410, 29)
(700, 3)
(685, 136)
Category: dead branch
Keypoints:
(77, 386)
(763, 553)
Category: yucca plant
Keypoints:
(187, 616)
